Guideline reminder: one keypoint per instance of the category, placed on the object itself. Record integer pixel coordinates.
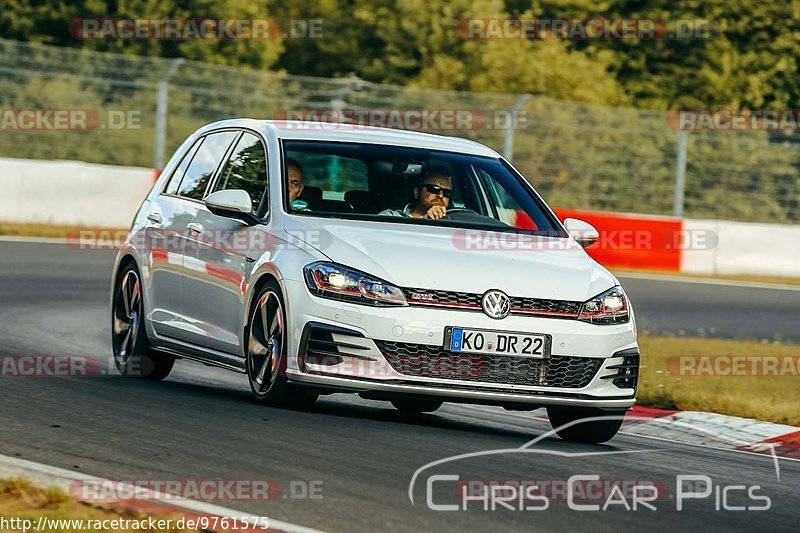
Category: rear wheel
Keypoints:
(589, 431)
(132, 354)
(416, 406)
(266, 353)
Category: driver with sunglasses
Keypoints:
(431, 197)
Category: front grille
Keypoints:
(425, 361)
(447, 298)
(541, 306)
(472, 301)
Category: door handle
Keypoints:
(195, 228)
(155, 218)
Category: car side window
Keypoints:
(246, 169)
(177, 175)
(507, 208)
(205, 161)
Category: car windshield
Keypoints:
(410, 185)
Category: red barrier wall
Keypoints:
(633, 241)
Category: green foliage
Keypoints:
(49, 22)
(749, 61)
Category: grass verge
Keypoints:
(773, 395)
(21, 499)
(50, 231)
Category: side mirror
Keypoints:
(583, 232)
(234, 203)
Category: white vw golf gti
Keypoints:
(405, 267)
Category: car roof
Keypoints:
(325, 131)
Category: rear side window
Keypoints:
(177, 176)
(246, 169)
(334, 174)
(205, 161)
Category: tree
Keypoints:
(49, 22)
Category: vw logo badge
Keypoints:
(496, 304)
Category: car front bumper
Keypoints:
(385, 352)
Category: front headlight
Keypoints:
(338, 282)
(610, 307)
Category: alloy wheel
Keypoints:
(127, 314)
(266, 343)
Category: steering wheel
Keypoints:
(465, 214)
(459, 213)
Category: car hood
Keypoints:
(441, 258)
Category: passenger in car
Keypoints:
(431, 196)
(295, 176)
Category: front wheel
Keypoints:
(416, 406)
(266, 353)
(132, 354)
(585, 424)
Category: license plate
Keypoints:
(482, 341)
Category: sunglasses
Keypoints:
(436, 189)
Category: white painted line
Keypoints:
(712, 281)
(733, 450)
(53, 476)
(39, 240)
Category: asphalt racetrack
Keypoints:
(348, 464)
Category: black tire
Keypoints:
(405, 405)
(265, 354)
(593, 431)
(133, 356)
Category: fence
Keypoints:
(579, 156)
